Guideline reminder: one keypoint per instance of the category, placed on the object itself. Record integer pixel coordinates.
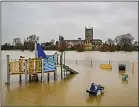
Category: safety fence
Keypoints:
(97, 62)
(130, 65)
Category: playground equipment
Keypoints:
(125, 77)
(122, 67)
(42, 63)
(106, 66)
(96, 90)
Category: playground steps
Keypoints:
(69, 69)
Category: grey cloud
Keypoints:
(48, 19)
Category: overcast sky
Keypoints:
(69, 19)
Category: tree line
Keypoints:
(119, 43)
(27, 44)
(123, 42)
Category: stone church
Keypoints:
(87, 42)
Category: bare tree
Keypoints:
(124, 41)
(30, 41)
(52, 41)
(135, 43)
(17, 41)
(110, 41)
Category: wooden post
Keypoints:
(36, 51)
(57, 59)
(61, 59)
(20, 76)
(76, 62)
(132, 67)
(29, 77)
(29, 69)
(55, 72)
(35, 60)
(8, 69)
(64, 64)
(25, 71)
(54, 75)
(66, 70)
(109, 64)
(42, 75)
(91, 62)
(48, 76)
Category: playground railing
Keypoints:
(17, 66)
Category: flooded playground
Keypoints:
(72, 90)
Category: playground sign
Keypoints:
(49, 63)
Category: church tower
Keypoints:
(89, 34)
(88, 38)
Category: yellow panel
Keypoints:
(22, 65)
(38, 65)
(31, 66)
(14, 67)
(106, 66)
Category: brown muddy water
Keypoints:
(72, 90)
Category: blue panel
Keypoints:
(41, 53)
(49, 63)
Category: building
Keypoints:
(88, 42)
(71, 43)
(89, 33)
(88, 39)
(97, 42)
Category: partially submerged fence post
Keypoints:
(29, 69)
(48, 76)
(25, 71)
(29, 77)
(57, 60)
(91, 62)
(42, 75)
(132, 67)
(8, 73)
(61, 63)
(109, 65)
(20, 76)
(64, 64)
(55, 72)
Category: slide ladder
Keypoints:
(69, 69)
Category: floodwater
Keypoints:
(72, 90)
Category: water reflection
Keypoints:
(124, 81)
(71, 91)
(93, 99)
(37, 93)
